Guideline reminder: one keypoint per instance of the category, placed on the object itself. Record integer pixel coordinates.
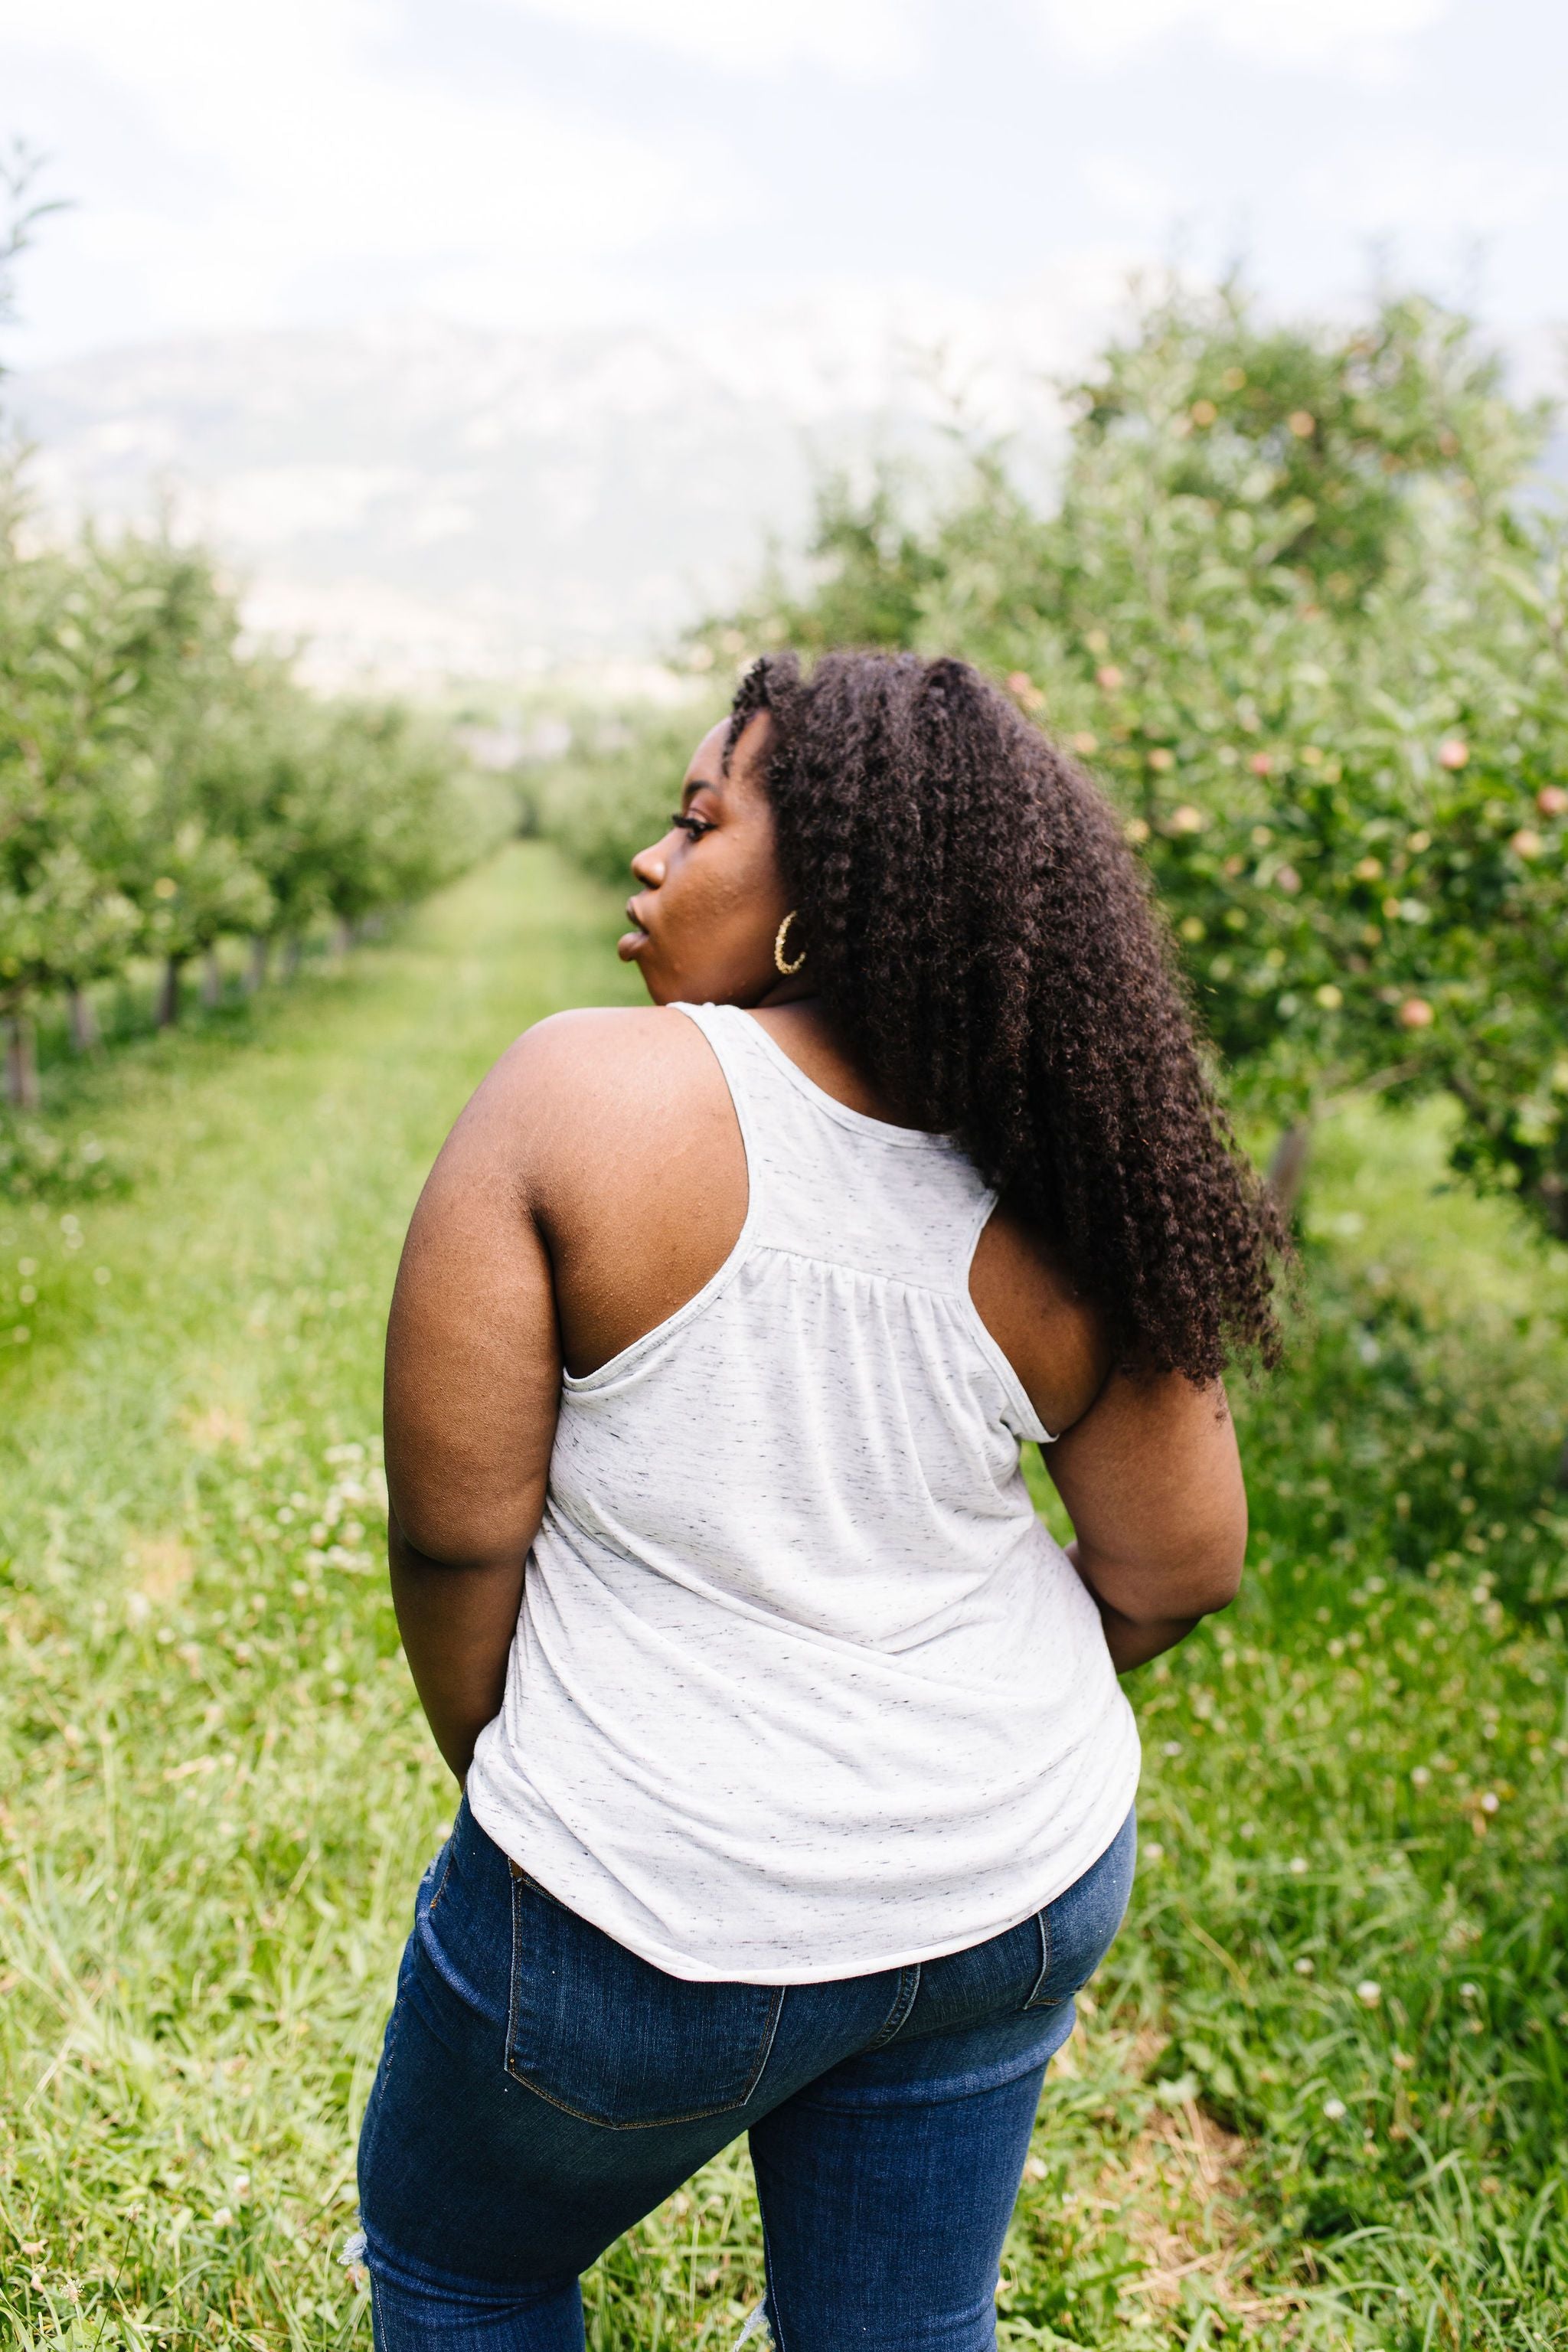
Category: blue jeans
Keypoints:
(542, 2088)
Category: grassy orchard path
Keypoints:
(1320, 2097)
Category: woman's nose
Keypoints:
(649, 867)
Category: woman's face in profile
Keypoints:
(711, 897)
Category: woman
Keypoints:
(798, 1779)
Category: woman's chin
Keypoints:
(632, 948)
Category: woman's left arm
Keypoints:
(1152, 1480)
(473, 1379)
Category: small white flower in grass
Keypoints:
(1490, 1801)
(1153, 1850)
(1469, 1992)
(1369, 1992)
(1335, 2110)
(1420, 1776)
(1297, 1865)
(1304, 1967)
(222, 2218)
(1173, 1748)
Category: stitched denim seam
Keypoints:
(392, 2024)
(523, 1879)
(514, 1972)
(770, 2305)
(445, 1874)
(1035, 2000)
(897, 2016)
(520, 1879)
(384, 2068)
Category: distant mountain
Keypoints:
(422, 501)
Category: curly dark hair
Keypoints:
(986, 948)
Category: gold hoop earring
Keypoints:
(786, 971)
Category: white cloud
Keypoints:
(287, 147)
(1273, 32)
(1428, 186)
(1128, 191)
(860, 39)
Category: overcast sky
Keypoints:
(529, 162)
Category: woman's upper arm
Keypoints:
(473, 1356)
(1152, 1480)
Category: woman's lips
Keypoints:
(631, 943)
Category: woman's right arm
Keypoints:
(473, 1377)
(1152, 1480)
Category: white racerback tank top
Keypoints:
(801, 1688)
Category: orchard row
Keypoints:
(164, 788)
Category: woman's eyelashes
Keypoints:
(694, 827)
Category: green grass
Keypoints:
(216, 1794)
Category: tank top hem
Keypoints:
(544, 1848)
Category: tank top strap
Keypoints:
(725, 1028)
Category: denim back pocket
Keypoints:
(1079, 1929)
(611, 2039)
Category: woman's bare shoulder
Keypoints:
(605, 1085)
(570, 1061)
(615, 1132)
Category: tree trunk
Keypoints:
(260, 957)
(212, 979)
(293, 948)
(85, 1034)
(21, 1063)
(166, 1012)
(342, 935)
(1563, 1467)
(1288, 1166)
